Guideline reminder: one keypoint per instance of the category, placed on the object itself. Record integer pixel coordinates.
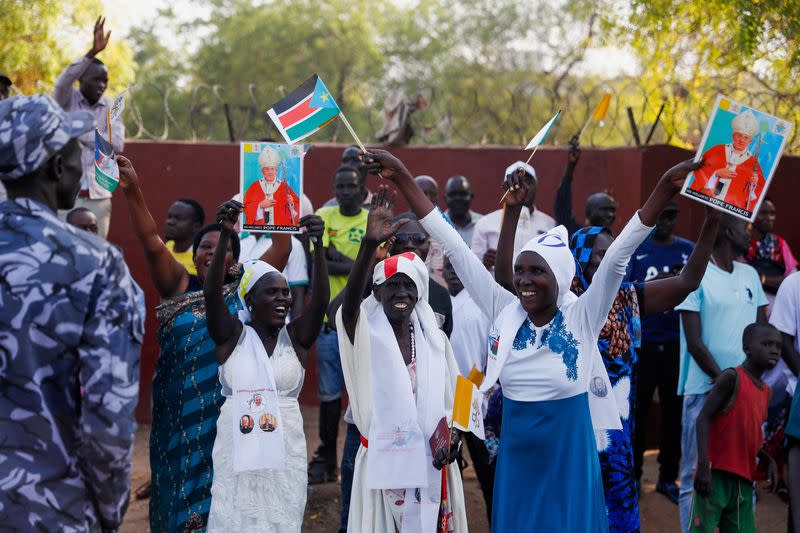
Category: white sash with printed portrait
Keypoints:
(258, 430)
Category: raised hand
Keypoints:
(228, 214)
(127, 174)
(379, 228)
(678, 174)
(381, 162)
(314, 225)
(516, 187)
(383, 250)
(574, 153)
(100, 37)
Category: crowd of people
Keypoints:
(572, 327)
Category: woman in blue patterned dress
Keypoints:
(619, 339)
(186, 392)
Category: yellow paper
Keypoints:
(475, 376)
(602, 108)
(462, 402)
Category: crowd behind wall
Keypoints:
(210, 173)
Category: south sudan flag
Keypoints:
(304, 111)
(106, 170)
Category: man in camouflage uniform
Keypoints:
(70, 337)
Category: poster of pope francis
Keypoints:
(740, 150)
(271, 183)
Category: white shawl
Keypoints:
(370, 511)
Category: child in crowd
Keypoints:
(729, 437)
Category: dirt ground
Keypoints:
(322, 509)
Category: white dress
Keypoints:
(264, 501)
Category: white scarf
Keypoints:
(399, 454)
(257, 426)
(553, 248)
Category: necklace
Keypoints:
(413, 344)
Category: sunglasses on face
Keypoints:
(417, 238)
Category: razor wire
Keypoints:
(467, 116)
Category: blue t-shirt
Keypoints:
(727, 302)
(650, 260)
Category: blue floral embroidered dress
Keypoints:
(547, 379)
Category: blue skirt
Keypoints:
(548, 474)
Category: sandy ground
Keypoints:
(322, 510)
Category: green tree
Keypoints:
(258, 53)
(690, 52)
(39, 40)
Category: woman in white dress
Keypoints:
(400, 376)
(259, 453)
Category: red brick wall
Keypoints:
(209, 173)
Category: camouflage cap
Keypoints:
(32, 129)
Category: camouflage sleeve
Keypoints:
(109, 360)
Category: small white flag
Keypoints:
(539, 137)
(117, 106)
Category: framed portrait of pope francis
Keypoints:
(271, 185)
(740, 150)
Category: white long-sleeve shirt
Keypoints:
(486, 233)
(70, 98)
(557, 360)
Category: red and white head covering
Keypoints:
(407, 263)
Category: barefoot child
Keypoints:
(729, 437)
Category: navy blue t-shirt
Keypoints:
(649, 261)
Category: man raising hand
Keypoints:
(92, 77)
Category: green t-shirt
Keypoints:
(345, 233)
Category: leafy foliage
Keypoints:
(41, 37)
(491, 71)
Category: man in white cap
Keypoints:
(270, 201)
(532, 222)
(730, 172)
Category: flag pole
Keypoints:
(526, 162)
(353, 133)
(531, 156)
(585, 125)
(108, 121)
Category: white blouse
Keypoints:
(553, 361)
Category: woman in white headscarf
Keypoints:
(400, 376)
(260, 449)
(543, 349)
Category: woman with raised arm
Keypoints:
(618, 344)
(186, 393)
(543, 349)
(400, 376)
(260, 451)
